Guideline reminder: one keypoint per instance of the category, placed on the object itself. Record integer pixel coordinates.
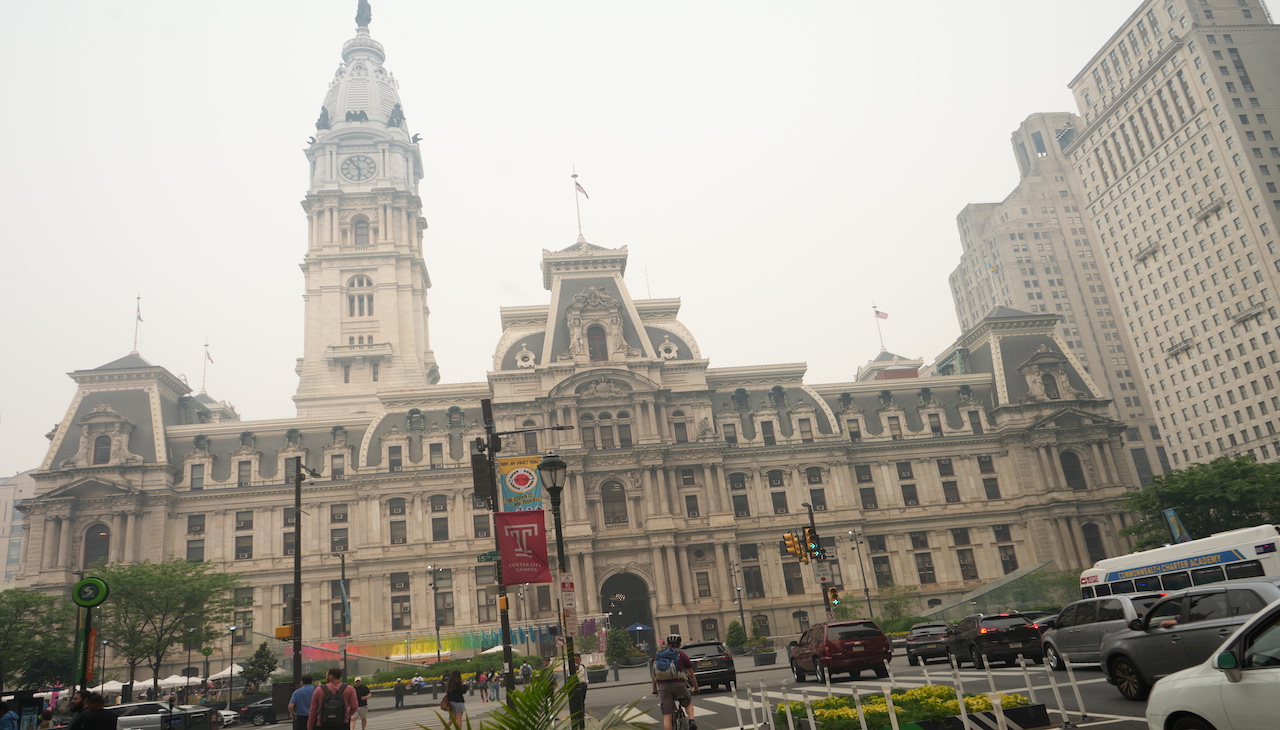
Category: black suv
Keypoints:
(712, 663)
(982, 638)
(927, 641)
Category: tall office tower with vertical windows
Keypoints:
(1177, 159)
(1031, 252)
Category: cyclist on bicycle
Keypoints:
(673, 681)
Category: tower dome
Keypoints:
(362, 92)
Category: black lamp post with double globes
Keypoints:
(553, 469)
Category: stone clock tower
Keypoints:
(366, 280)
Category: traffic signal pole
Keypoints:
(813, 546)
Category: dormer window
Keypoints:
(597, 345)
(102, 450)
(1050, 386)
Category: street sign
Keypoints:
(831, 614)
(822, 571)
(571, 621)
(569, 602)
(489, 557)
(560, 641)
(89, 592)
(207, 651)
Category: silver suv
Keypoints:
(1080, 626)
(1182, 629)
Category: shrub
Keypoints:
(735, 635)
(930, 702)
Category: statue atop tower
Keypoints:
(364, 14)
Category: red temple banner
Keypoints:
(522, 542)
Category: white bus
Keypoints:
(1244, 553)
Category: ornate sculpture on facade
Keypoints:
(323, 121)
(525, 357)
(364, 14)
(396, 118)
(603, 388)
(360, 116)
(886, 399)
(593, 297)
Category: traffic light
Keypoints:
(813, 546)
(833, 594)
(794, 547)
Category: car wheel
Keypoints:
(795, 672)
(976, 657)
(259, 719)
(882, 670)
(1054, 659)
(855, 674)
(1128, 680)
(1191, 722)
(912, 660)
(819, 673)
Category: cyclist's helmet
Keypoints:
(674, 640)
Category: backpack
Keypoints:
(333, 708)
(667, 665)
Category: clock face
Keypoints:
(358, 168)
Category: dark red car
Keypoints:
(840, 646)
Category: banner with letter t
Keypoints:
(522, 542)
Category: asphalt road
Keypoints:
(718, 710)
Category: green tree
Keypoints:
(1227, 493)
(897, 601)
(617, 645)
(35, 624)
(152, 605)
(259, 668)
(735, 635)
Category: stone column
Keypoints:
(1058, 471)
(1045, 472)
(726, 589)
(48, 544)
(659, 576)
(673, 575)
(590, 587)
(650, 493)
(686, 590)
(116, 553)
(64, 543)
(712, 490)
(1104, 472)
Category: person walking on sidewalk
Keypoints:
(398, 691)
(362, 700)
(578, 700)
(333, 704)
(300, 703)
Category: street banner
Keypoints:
(522, 541)
(1180, 533)
(521, 483)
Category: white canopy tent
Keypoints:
(178, 680)
(233, 669)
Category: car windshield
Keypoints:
(925, 630)
(694, 650)
(854, 631)
(1004, 622)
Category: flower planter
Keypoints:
(738, 650)
(767, 657)
(633, 661)
(1025, 717)
(597, 675)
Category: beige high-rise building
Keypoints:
(1031, 251)
(1177, 160)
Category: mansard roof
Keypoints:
(131, 361)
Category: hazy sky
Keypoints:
(778, 166)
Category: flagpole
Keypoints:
(577, 204)
(137, 318)
(204, 372)
(876, 315)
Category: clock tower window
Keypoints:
(360, 297)
(360, 232)
(597, 344)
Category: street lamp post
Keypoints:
(191, 630)
(435, 606)
(346, 608)
(231, 687)
(300, 474)
(101, 678)
(553, 468)
(856, 539)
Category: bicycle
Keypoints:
(679, 720)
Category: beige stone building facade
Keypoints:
(683, 477)
(1176, 162)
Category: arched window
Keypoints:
(760, 625)
(439, 503)
(360, 296)
(1072, 470)
(97, 546)
(587, 431)
(1093, 542)
(396, 505)
(1050, 386)
(614, 501)
(360, 229)
(813, 475)
(597, 346)
(679, 427)
(802, 620)
(530, 437)
(102, 450)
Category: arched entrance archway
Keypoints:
(625, 597)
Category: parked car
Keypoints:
(840, 646)
(1234, 688)
(1181, 630)
(152, 716)
(712, 663)
(259, 713)
(927, 641)
(983, 638)
(228, 717)
(1080, 626)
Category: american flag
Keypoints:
(881, 315)
(578, 185)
